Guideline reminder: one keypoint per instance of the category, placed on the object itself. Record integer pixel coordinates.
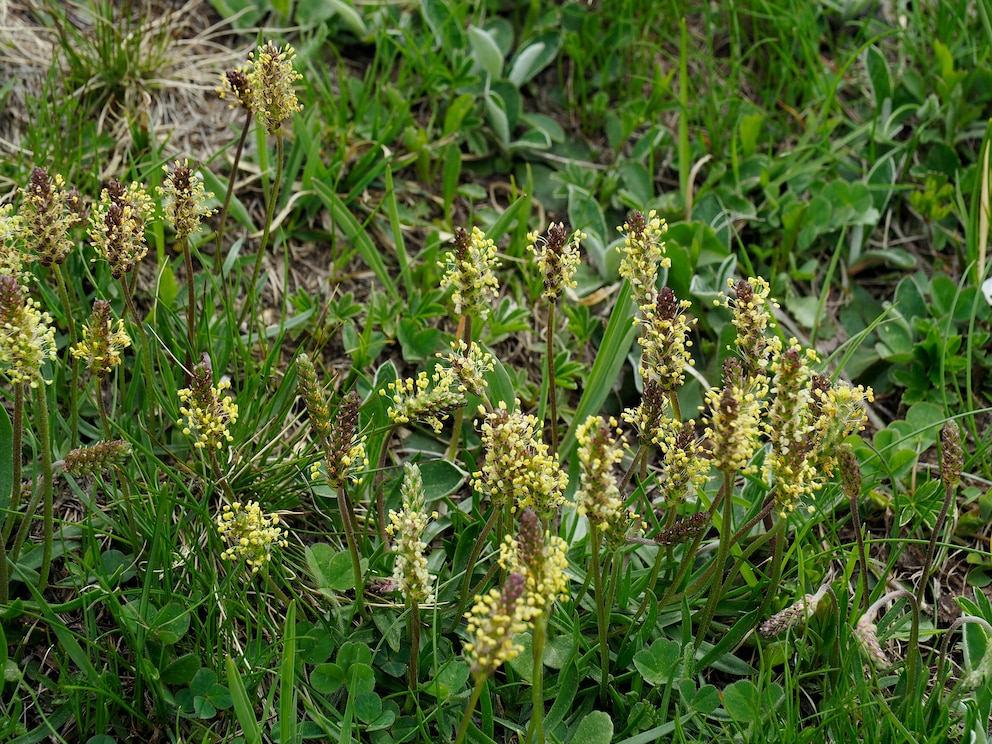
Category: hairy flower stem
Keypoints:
(17, 445)
(190, 301)
(721, 558)
(218, 254)
(470, 566)
(552, 388)
(44, 435)
(602, 617)
(414, 669)
(862, 556)
(146, 349)
(640, 458)
(687, 559)
(347, 515)
(932, 546)
(102, 407)
(464, 333)
(73, 362)
(535, 729)
(250, 304)
(480, 682)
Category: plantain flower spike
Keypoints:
(250, 533)
(185, 199)
(271, 80)
(117, 226)
(407, 527)
(557, 257)
(207, 412)
(470, 270)
(102, 342)
(493, 621)
(50, 212)
(27, 338)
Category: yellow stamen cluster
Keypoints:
(102, 342)
(426, 398)
(541, 559)
(12, 256)
(27, 338)
(601, 449)
(643, 251)
(184, 203)
(557, 257)
(346, 445)
(733, 423)
(751, 307)
(117, 226)
(470, 269)
(469, 364)
(684, 466)
(271, 80)
(841, 413)
(50, 212)
(518, 469)
(207, 412)
(250, 534)
(407, 526)
(664, 340)
(493, 621)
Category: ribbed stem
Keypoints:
(218, 254)
(269, 213)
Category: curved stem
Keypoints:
(190, 299)
(146, 349)
(932, 547)
(472, 559)
(347, 515)
(17, 445)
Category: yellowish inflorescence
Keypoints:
(271, 81)
(407, 527)
(557, 257)
(541, 558)
(50, 211)
(207, 412)
(518, 469)
(27, 338)
(493, 621)
(643, 252)
(470, 270)
(184, 199)
(250, 533)
(13, 260)
(117, 226)
(102, 342)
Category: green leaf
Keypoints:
(486, 51)
(441, 478)
(658, 663)
(534, 57)
(742, 701)
(168, 286)
(180, 671)
(242, 704)
(330, 569)
(878, 73)
(595, 728)
(368, 706)
(749, 130)
(496, 109)
(327, 678)
(170, 624)
(458, 109)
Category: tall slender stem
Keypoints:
(932, 546)
(250, 305)
(414, 647)
(480, 682)
(190, 299)
(146, 349)
(470, 566)
(535, 730)
(44, 434)
(862, 557)
(218, 254)
(721, 558)
(552, 388)
(347, 514)
(73, 363)
(602, 616)
(17, 445)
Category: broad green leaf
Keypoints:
(180, 671)
(534, 57)
(441, 478)
(742, 701)
(595, 728)
(496, 109)
(658, 663)
(486, 51)
(170, 624)
(878, 74)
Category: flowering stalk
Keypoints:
(558, 258)
(184, 209)
(270, 94)
(950, 473)
(492, 623)
(235, 85)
